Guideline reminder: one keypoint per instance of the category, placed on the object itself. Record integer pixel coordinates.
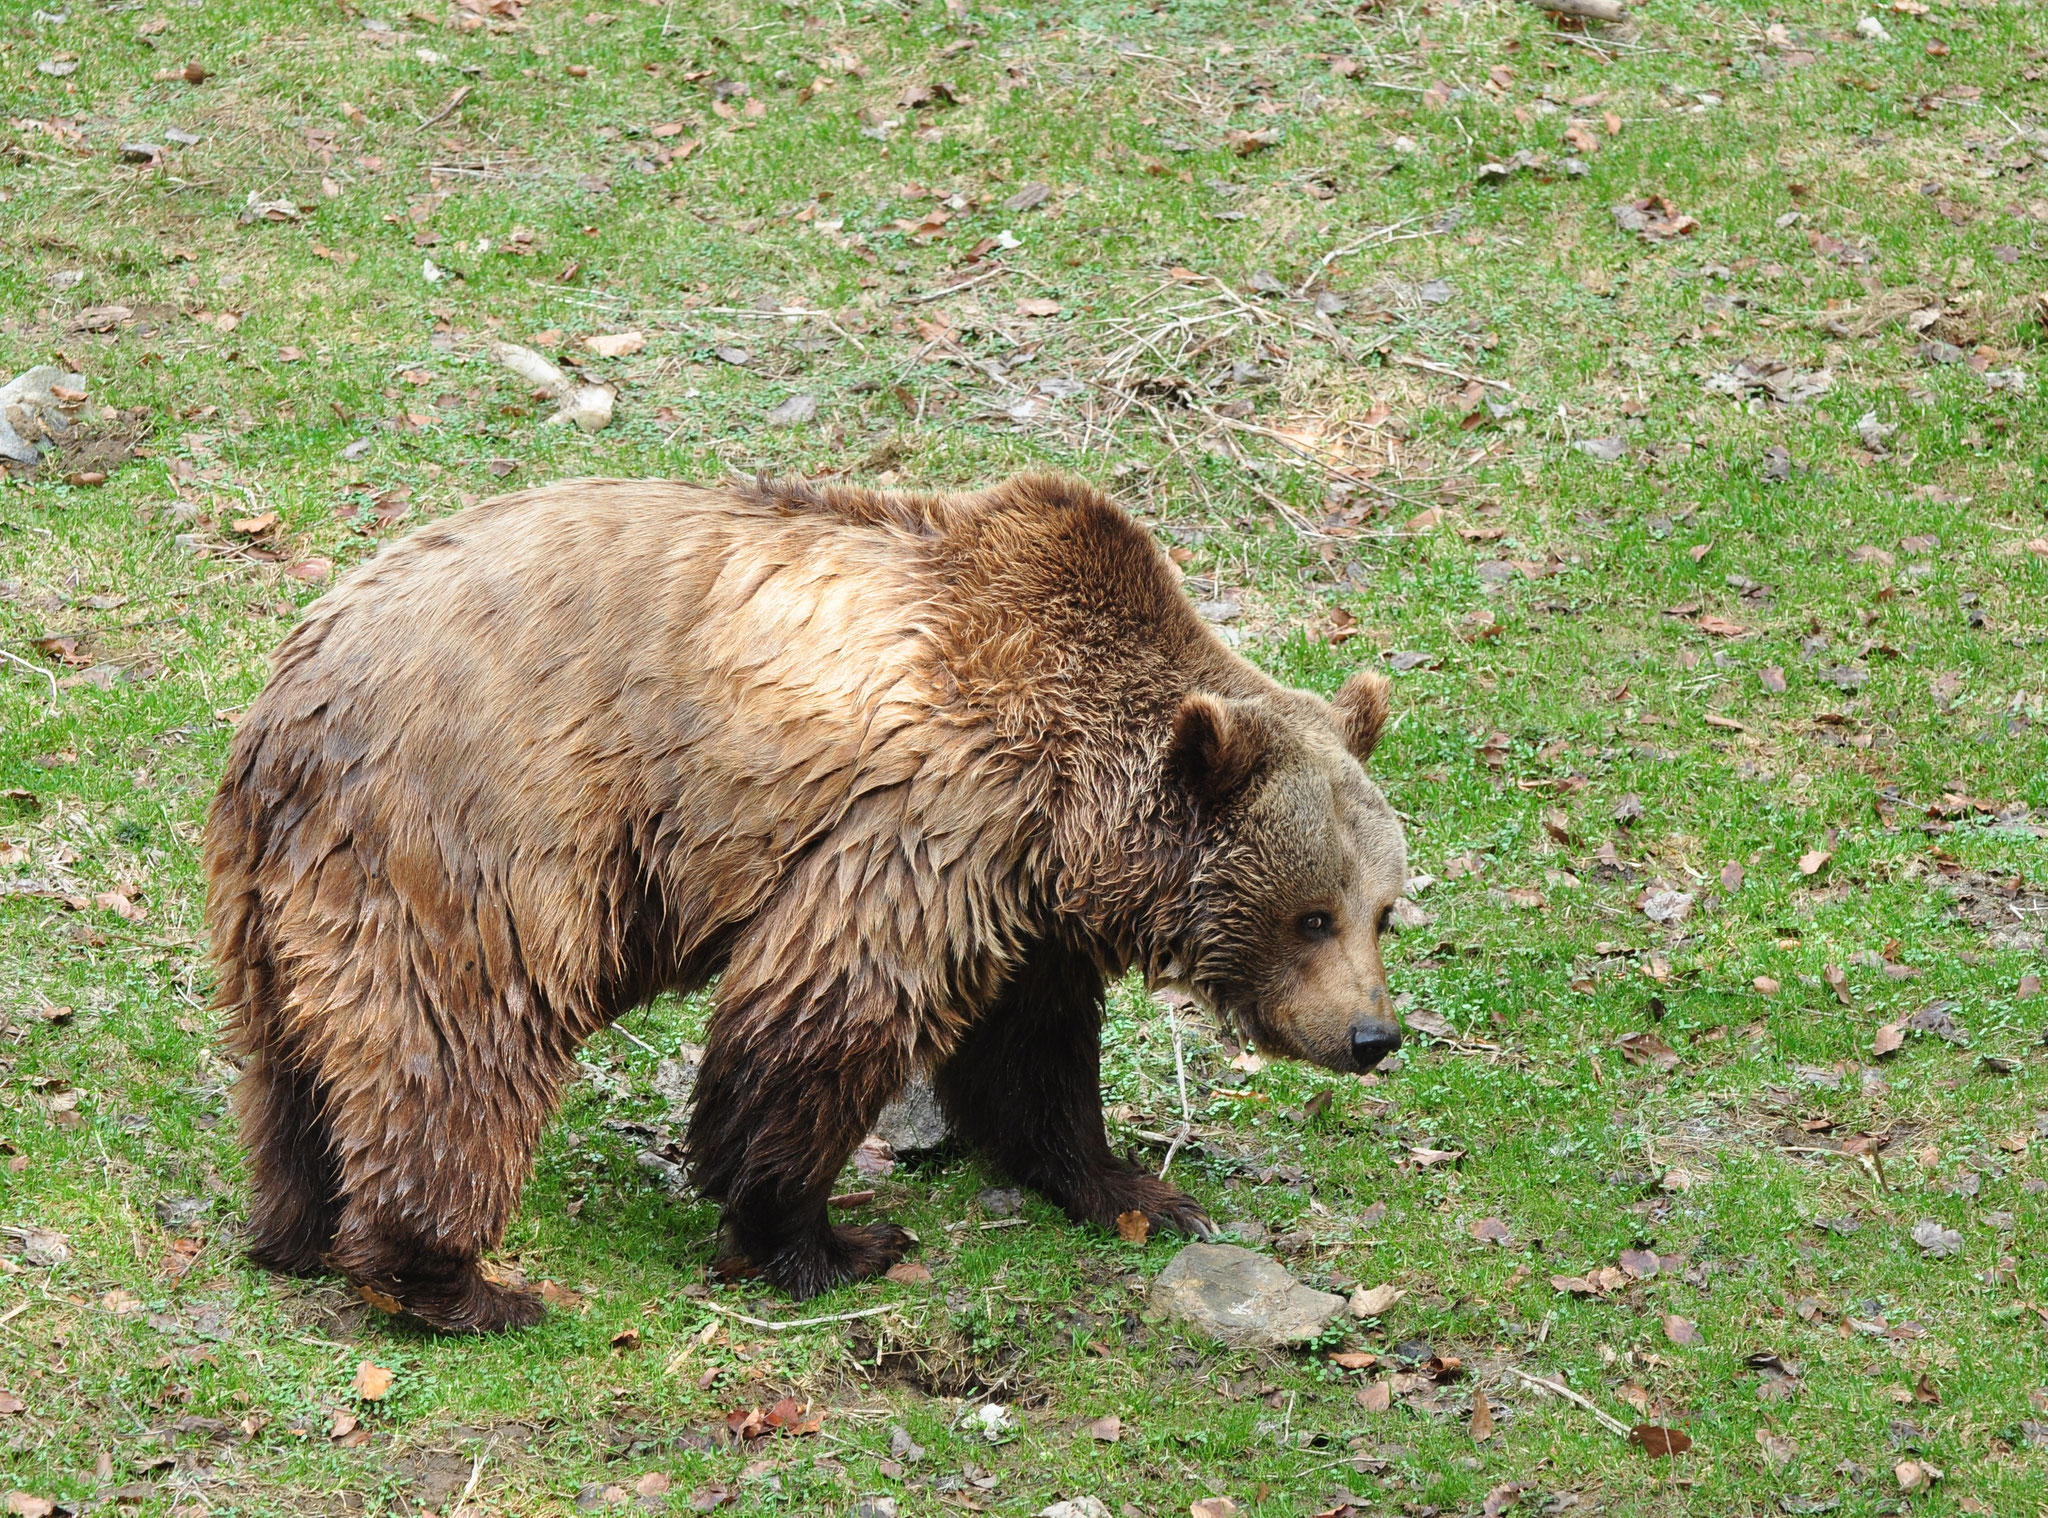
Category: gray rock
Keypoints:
(914, 1120)
(1001, 1202)
(675, 1080)
(1241, 1298)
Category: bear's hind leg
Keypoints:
(1025, 1087)
(295, 1200)
(436, 1134)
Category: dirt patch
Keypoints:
(2009, 913)
(436, 1470)
(104, 446)
(949, 1365)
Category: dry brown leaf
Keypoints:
(1375, 1302)
(1813, 862)
(1766, 985)
(372, 1382)
(908, 1273)
(1916, 1475)
(1482, 1416)
(1647, 1049)
(1375, 1396)
(1109, 1430)
(1659, 1441)
(1133, 1227)
(1838, 979)
(615, 344)
(1492, 1231)
(1680, 1330)
(1889, 1040)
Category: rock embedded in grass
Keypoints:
(1241, 1298)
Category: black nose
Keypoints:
(1372, 1042)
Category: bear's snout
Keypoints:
(1372, 1041)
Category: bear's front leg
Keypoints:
(785, 1094)
(1025, 1086)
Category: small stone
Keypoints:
(914, 1121)
(794, 412)
(1241, 1298)
(1001, 1202)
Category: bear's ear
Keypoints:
(1361, 708)
(1217, 745)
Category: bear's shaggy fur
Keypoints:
(910, 774)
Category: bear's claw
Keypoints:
(1130, 1190)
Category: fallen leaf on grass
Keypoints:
(1776, 1447)
(1501, 1498)
(1659, 1441)
(1720, 627)
(1374, 1303)
(1492, 1231)
(1680, 1330)
(44, 1248)
(1375, 1396)
(615, 344)
(27, 1505)
(1647, 1049)
(1814, 861)
(1038, 305)
(1916, 1475)
(1343, 1359)
(1133, 1227)
(1593, 1283)
(793, 412)
(908, 1273)
(1838, 981)
(1766, 985)
(1652, 218)
(1665, 905)
(1109, 1430)
(372, 1382)
(1889, 1040)
(2030, 985)
(1244, 144)
(1938, 1242)
(11, 1405)
(557, 1295)
(1482, 1416)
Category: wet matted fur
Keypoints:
(912, 775)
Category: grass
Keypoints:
(1574, 739)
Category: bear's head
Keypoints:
(1301, 861)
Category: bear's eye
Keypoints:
(1316, 926)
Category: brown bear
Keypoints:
(910, 775)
